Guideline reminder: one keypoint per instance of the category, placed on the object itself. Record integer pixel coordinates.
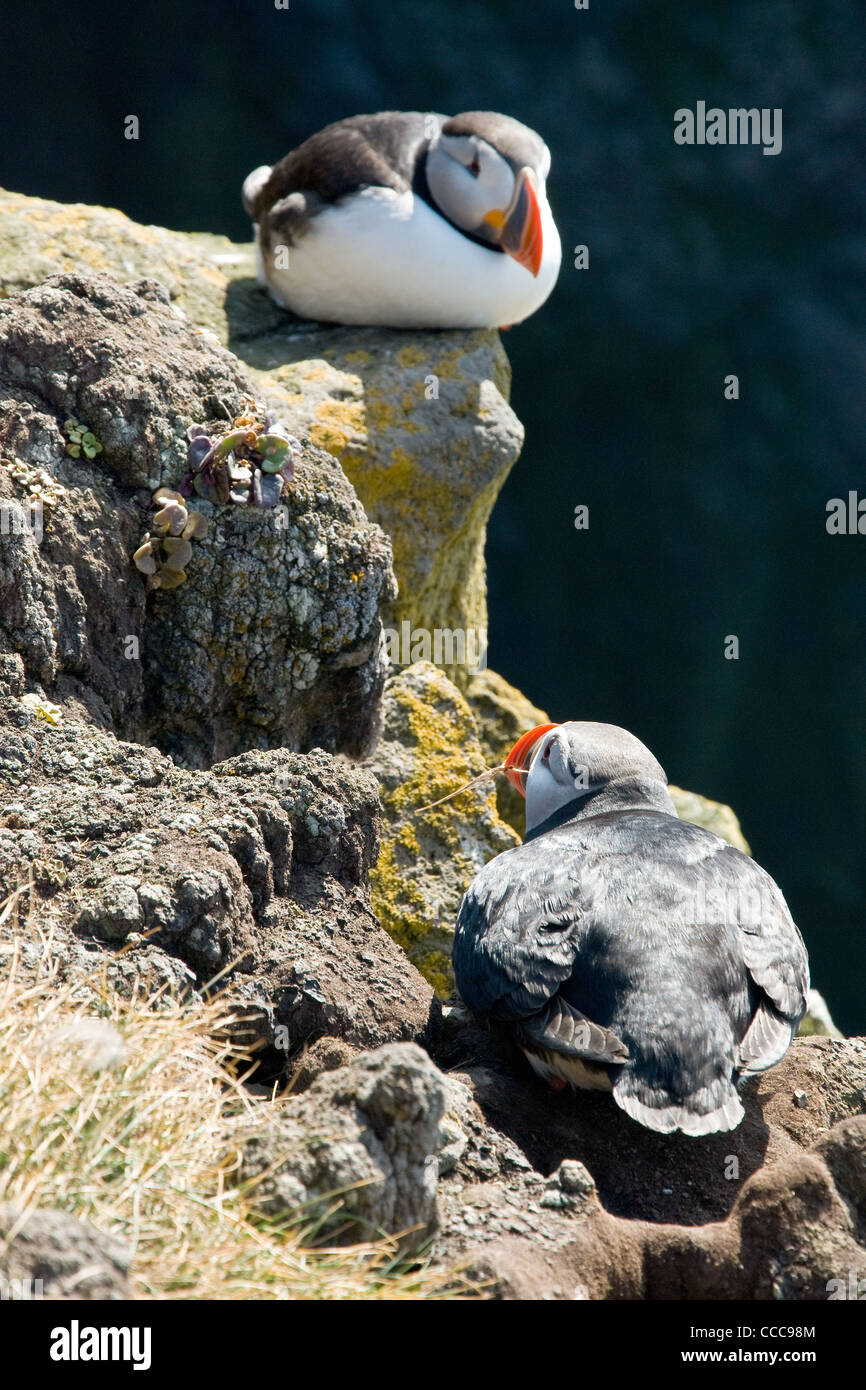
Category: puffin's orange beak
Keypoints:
(521, 224)
(517, 763)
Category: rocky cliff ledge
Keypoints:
(222, 774)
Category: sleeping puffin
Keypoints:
(409, 220)
(629, 951)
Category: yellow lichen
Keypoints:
(382, 415)
(445, 754)
(412, 355)
(326, 437)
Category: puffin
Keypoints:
(409, 219)
(624, 949)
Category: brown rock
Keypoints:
(773, 1210)
(259, 868)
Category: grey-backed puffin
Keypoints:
(409, 219)
(629, 950)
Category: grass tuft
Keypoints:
(130, 1114)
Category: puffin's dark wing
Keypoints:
(721, 911)
(773, 949)
(513, 945)
(777, 962)
(380, 151)
(740, 891)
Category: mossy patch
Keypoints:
(429, 857)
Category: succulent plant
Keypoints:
(167, 579)
(248, 466)
(145, 559)
(42, 489)
(81, 440)
(178, 551)
(233, 467)
(196, 528)
(165, 553)
(172, 518)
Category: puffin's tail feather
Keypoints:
(689, 1116)
(562, 1028)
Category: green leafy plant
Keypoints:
(81, 440)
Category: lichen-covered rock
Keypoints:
(54, 1255)
(712, 815)
(258, 867)
(121, 361)
(368, 1133)
(502, 715)
(422, 426)
(205, 275)
(429, 747)
(275, 638)
(818, 1021)
(420, 422)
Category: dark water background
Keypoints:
(707, 517)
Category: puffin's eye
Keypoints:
(474, 168)
(545, 757)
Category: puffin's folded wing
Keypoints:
(376, 151)
(773, 953)
(514, 943)
(561, 1028)
(773, 947)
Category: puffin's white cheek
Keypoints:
(559, 765)
(544, 794)
(495, 186)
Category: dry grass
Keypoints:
(130, 1116)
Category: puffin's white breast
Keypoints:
(385, 258)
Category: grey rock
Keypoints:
(60, 1256)
(258, 868)
(573, 1177)
(274, 638)
(368, 1132)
